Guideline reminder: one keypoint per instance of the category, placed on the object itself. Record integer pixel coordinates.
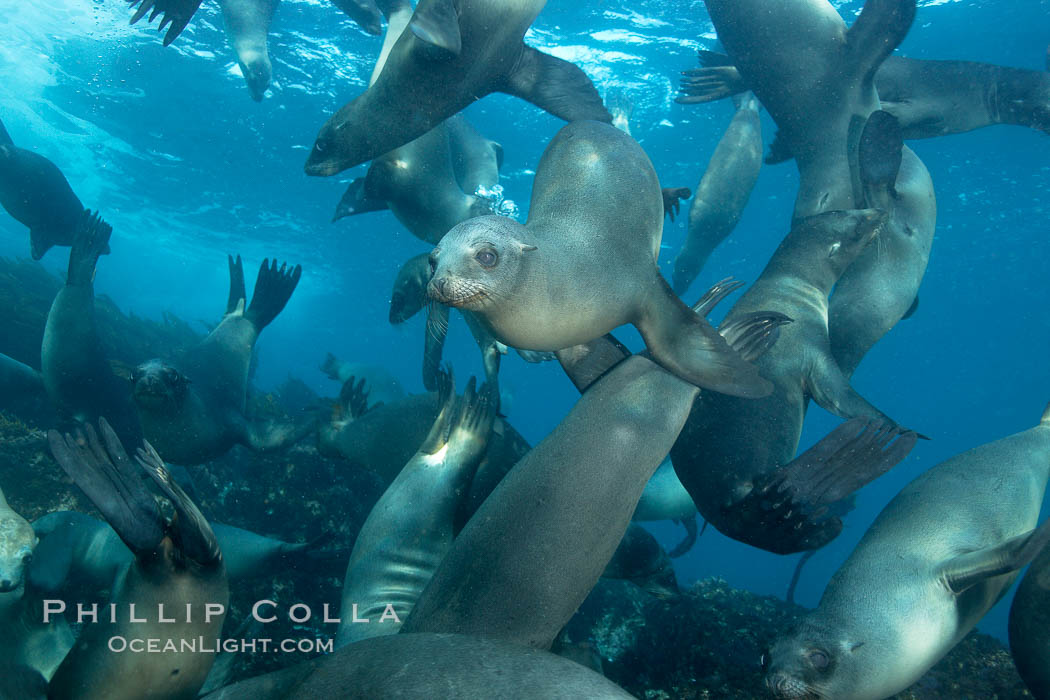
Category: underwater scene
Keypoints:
(511, 349)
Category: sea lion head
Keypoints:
(838, 236)
(155, 383)
(257, 71)
(479, 261)
(17, 542)
(410, 289)
(816, 663)
(337, 145)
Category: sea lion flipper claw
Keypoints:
(557, 86)
(356, 200)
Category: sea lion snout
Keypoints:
(787, 687)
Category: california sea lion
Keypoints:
(1029, 622)
(815, 84)
(722, 193)
(16, 547)
(943, 551)
(247, 26)
(193, 410)
(177, 564)
(77, 375)
(429, 666)
(452, 54)
(411, 527)
(584, 263)
(383, 387)
(36, 193)
(928, 98)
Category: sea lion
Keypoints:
(193, 410)
(928, 98)
(429, 666)
(943, 551)
(364, 12)
(247, 26)
(452, 54)
(17, 542)
(76, 373)
(640, 559)
(409, 294)
(665, 498)
(723, 192)
(1029, 621)
(411, 527)
(584, 263)
(817, 84)
(177, 563)
(383, 387)
(476, 160)
(36, 193)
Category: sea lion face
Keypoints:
(334, 150)
(410, 289)
(156, 384)
(478, 262)
(813, 664)
(17, 542)
(257, 71)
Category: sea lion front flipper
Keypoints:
(691, 533)
(177, 13)
(880, 28)
(436, 22)
(273, 289)
(966, 570)
(237, 291)
(556, 86)
(702, 85)
(109, 479)
(357, 201)
(189, 529)
(832, 391)
(434, 344)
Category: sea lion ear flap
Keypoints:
(966, 570)
(437, 24)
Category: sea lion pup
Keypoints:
(80, 554)
(722, 193)
(177, 563)
(453, 54)
(928, 98)
(429, 666)
(816, 84)
(411, 527)
(36, 193)
(76, 373)
(193, 410)
(247, 26)
(943, 551)
(584, 263)
(665, 498)
(1029, 622)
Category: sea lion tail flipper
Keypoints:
(108, 478)
(437, 24)
(879, 158)
(237, 291)
(190, 529)
(880, 28)
(710, 84)
(273, 289)
(177, 14)
(555, 85)
(353, 397)
(849, 457)
(685, 344)
(691, 533)
(966, 570)
(434, 344)
(587, 363)
(753, 334)
(356, 200)
(5, 138)
(445, 384)
(330, 366)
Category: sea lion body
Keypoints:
(16, 548)
(1029, 622)
(936, 559)
(247, 26)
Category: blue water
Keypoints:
(186, 167)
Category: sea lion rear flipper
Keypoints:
(5, 138)
(557, 86)
(966, 570)
(436, 22)
(90, 241)
(107, 476)
(237, 290)
(691, 533)
(356, 201)
(177, 13)
(879, 29)
(469, 433)
(434, 344)
(701, 85)
(273, 289)
(879, 156)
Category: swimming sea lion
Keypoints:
(453, 54)
(640, 559)
(429, 666)
(17, 542)
(943, 551)
(36, 193)
(1029, 621)
(722, 193)
(177, 563)
(193, 410)
(928, 98)
(76, 373)
(247, 26)
(411, 527)
(584, 263)
(383, 387)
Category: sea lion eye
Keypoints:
(764, 660)
(819, 659)
(487, 258)
(26, 559)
